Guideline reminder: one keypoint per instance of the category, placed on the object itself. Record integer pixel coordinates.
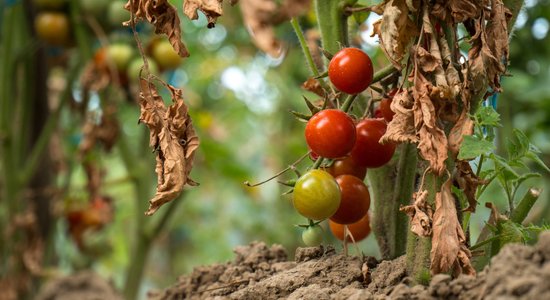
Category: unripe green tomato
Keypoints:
(94, 7)
(117, 14)
(313, 236)
(49, 3)
(316, 195)
(52, 27)
(166, 57)
(120, 55)
(135, 66)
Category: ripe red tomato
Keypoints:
(316, 195)
(350, 70)
(355, 201)
(330, 133)
(346, 166)
(360, 229)
(368, 152)
(52, 27)
(385, 103)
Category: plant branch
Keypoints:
(525, 205)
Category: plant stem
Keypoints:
(392, 186)
(347, 104)
(332, 24)
(525, 205)
(383, 73)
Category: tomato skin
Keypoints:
(313, 236)
(368, 152)
(120, 54)
(346, 166)
(135, 66)
(330, 133)
(164, 54)
(360, 229)
(52, 27)
(316, 195)
(385, 103)
(355, 201)
(350, 70)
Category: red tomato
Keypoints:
(350, 70)
(355, 200)
(359, 230)
(385, 109)
(378, 113)
(346, 166)
(368, 152)
(330, 133)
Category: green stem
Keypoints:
(525, 205)
(332, 24)
(80, 30)
(140, 252)
(392, 186)
(348, 103)
(383, 73)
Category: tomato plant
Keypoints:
(316, 195)
(330, 133)
(385, 103)
(359, 230)
(52, 28)
(165, 56)
(368, 152)
(355, 200)
(346, 166)
(350, 70)
(312, 236)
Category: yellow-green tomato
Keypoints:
(166, 57)
(120, 55)
(135, 66)
(316, 195)
(313, 236)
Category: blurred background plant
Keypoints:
(68, 205)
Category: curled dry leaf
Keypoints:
(395, 30)
(420, 213)
(401, 128)
(457, 11)
(468, 182)
(163, 16)
(261, 16)
(313, 85)
(212, 9)
(105, 131)
(448, 240)
(173, 137)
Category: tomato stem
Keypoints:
(348, 103)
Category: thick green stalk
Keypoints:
(332, 24)
(525, 205)
(392, 186)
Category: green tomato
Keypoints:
(117, 14)
(316, 195)
(94, 7)
(166, 57)
(120, 54)
(313, 236)
(135, 66)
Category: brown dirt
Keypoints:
(85, 285)
(262, 272)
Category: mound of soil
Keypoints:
(262, 272)
(85, 285)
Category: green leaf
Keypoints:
(361, 16)
(535, 158)
(487, 116)
(472, 147)
(518, 145)
(507, 173)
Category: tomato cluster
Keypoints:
(337, 192)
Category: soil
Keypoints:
(262, 272)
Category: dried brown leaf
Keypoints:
(448, 240)
(457, 11)
(401, 129)
(261, 16)
(468, 182)
(420, 213)
(163, 16)
(173, 137)
(395, 30)
(105, 132)
(313, 85)
(463, 126)
(212, 9)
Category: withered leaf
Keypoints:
(173, 137)
(401, 129)
(448, 239)
(105, 131)
(313, 85)
(163, 16)
(463, 126)
(457, 11)
(212, 9)
(420, 213)
(261, 16)
(468, 182)
(395, 30)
